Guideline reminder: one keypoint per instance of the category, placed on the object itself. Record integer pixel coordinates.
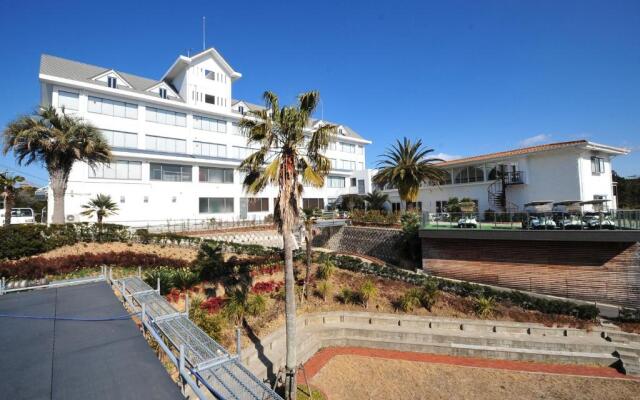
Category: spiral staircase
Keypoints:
(497, 191)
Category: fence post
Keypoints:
(158, 286)
(142, 317)
(181, 368)
(139, 271)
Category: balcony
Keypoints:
(513, 178)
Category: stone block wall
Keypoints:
(380, 243)
(605, 272)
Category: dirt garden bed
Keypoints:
(356, 377)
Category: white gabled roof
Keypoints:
(113, 72)
(183, 61)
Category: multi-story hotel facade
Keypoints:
(176, 143)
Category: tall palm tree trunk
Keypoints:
(307, 240)
(59, 187)
(290, 315)
(8, 206)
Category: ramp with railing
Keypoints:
(208, 362)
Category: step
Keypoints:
(494, 352)
(499, 340)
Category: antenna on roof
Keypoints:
(203, 32)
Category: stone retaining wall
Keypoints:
(380, 243)
(475, 338)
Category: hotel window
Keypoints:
(112, 82)
(332, 145)
(441, 206)
(210, 99)
(335, 181)
(353, 182)
(241, 110)
(120, 139)
(597, 165)
(469, 175)
(348, 147)
(120, 169)
(216, 175)
(334, 163)
(209, 149)
(395, 207)
(416, 206)
(166, 117)
(170, 172)
(216, 205)
(360, 166)
(209, 124)
(68, 100)
(360, 149)
(163, 93)
(236, 129)
(241, 153)
(258, 204)
(346, 164)
(113, 108)
(166, 145)
(312, 203)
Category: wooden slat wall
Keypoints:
(603, 272)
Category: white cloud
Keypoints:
(534, 140)
(445, 156)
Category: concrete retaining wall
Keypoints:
(475, 338)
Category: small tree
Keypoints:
(376, 200)
(485, 306)
(368, 291)
(8, 188)
(102, 206)
(241, 303)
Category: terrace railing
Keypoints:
(551, 220)
(192, 225)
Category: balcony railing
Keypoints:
(513, 177)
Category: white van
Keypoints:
(19, 216)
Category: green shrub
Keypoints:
(326, 269)
(410, 300)
(184, 278)
(485, 306)
(210, 262)
(323, 288)
(368, 291)
(166, 279)
(212, 324)
(429, 293)
(348, 296)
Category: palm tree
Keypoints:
(102, 206)
(376, 200)
(405, 166)
(285, 159)
(56, 140)
(8, 187)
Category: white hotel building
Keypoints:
(578, 170)
(176, 143)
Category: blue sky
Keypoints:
(467, 77)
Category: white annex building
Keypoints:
(176, 142)
(505, 181)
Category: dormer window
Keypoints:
(163, 93)
(241, 110)
(112, 82)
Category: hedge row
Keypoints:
(39, 267)
(18, 241)
(465, 289)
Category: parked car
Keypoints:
(20, 216)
